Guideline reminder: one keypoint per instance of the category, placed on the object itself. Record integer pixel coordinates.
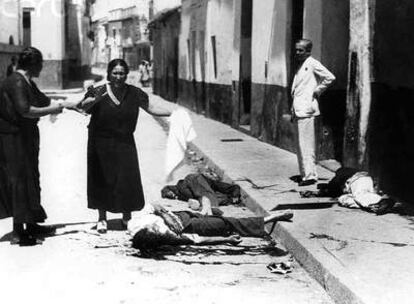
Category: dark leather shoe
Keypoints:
(307, 182)
(35, 229)
(24, 239)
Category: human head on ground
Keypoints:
(117, 72)
(148, 239)
(150, 231)
(303, 49)
(170, 192)
(30, 61)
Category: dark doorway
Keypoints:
(245, 78)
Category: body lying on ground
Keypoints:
(196, 186)
(355, 189)
(162, 227)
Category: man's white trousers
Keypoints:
(306, 148)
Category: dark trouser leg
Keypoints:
(222, 226)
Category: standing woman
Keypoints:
(114, 180)
(21, 106)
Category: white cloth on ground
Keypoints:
(359, 192)
(181, 133)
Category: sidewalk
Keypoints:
(356, 256)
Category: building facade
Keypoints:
(165, 29)
(58, 28)
(120, 31)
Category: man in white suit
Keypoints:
(311, 79)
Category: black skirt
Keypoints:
(19, 176)
(114, 180)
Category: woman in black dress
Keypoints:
(114, 181)
(21, 106)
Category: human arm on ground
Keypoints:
(212, 240)
(205, 206)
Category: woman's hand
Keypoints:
(73, 103)
(56, 108)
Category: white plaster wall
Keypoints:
(235, 64)
(160, 5)
(220, 23)
(184, 60)
(269, 37)
(9, 21)
(47, 27)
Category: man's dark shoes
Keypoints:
(307, 182)
(35, 229)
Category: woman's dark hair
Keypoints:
(113, 63)
(145, 239)
(29, 58)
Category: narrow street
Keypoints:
(80, 266)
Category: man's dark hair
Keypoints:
(307, 43)
(113, 63)
(29, 58)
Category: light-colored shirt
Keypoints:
(312, 77)
(146, 219)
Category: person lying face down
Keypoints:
(163, 227)
(196, 186)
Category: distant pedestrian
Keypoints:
(12, 66)
(143, 73)
(151, 72)
(310, 81)
(114, 179)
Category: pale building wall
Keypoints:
(184, 57)
(220, 23)
(269, 41)
(9, 21)
(47, 21)
(160, 5)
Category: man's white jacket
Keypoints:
(312, 77)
